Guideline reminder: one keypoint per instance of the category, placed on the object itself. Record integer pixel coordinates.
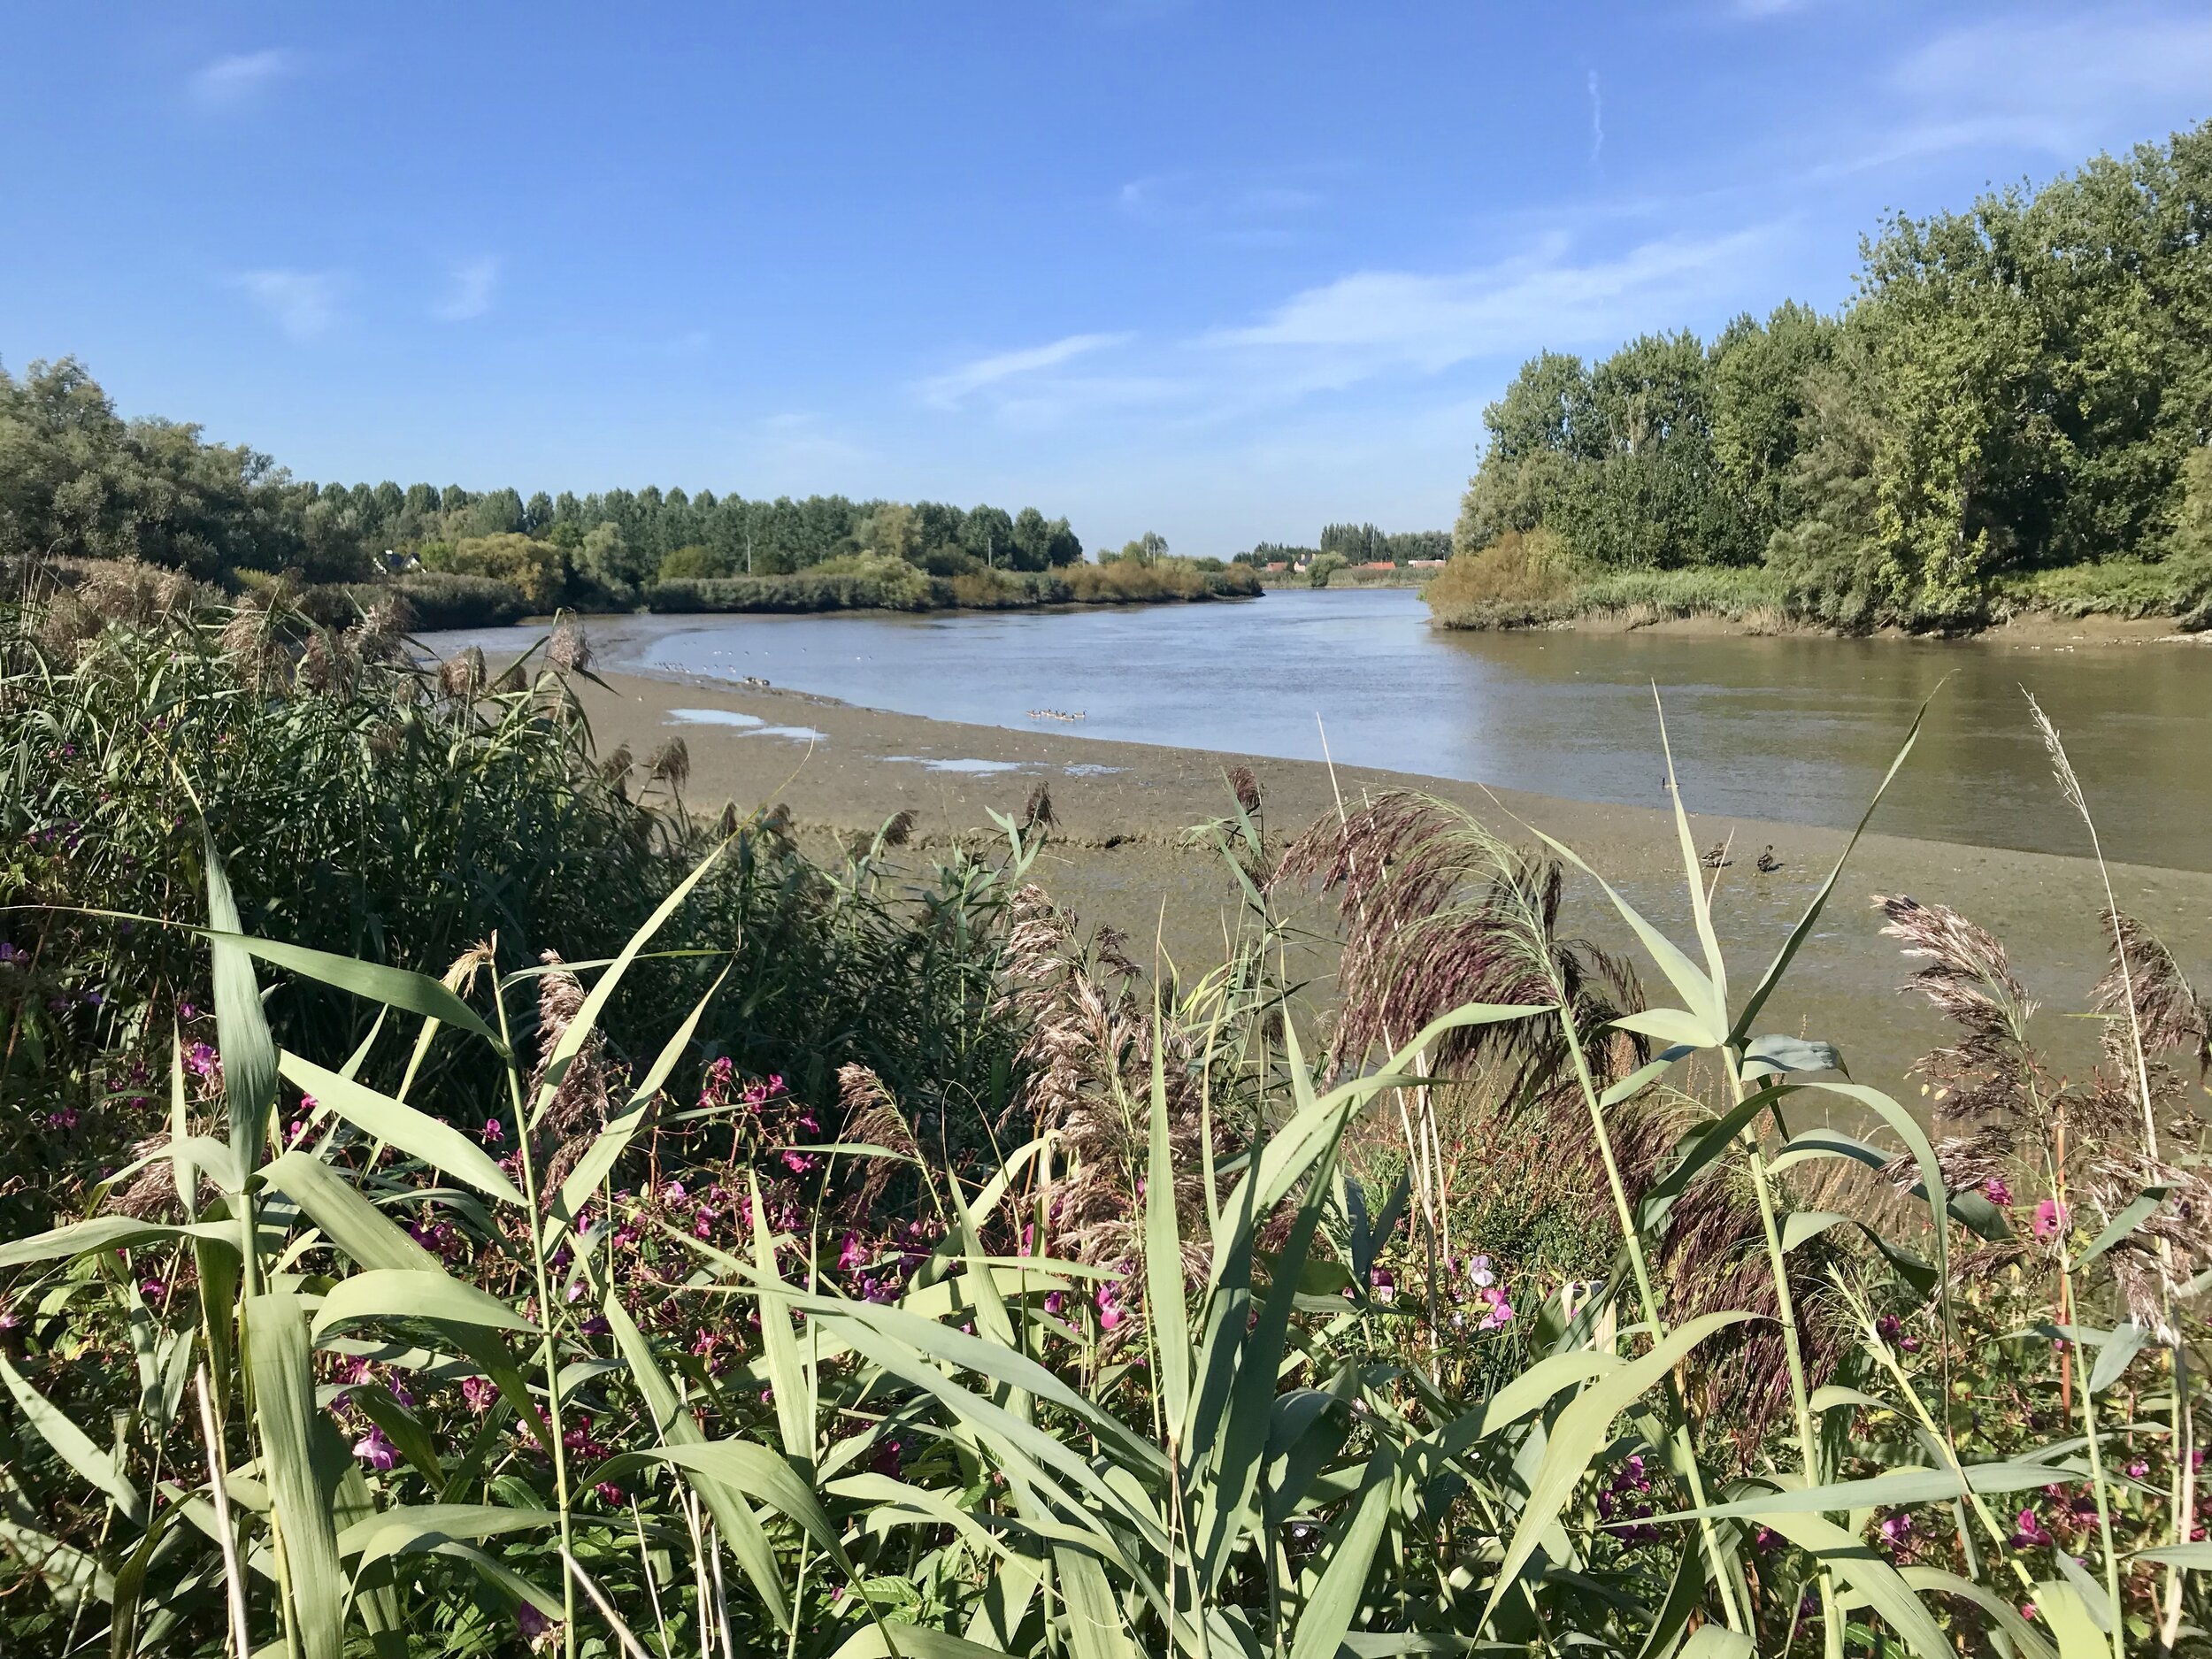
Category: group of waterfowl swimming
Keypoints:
(1053, 714)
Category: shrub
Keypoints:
(1522, 573)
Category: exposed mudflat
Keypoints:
(1121, 853)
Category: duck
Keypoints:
(1768, 863)
(1717, 856)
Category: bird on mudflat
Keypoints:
(1768, 863)
(1717, 856)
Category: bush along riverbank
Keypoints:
(892, 585)
(454, 1201)
(1523, 581)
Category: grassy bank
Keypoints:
(1526, 581)
(844, 1258)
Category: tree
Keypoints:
(894, 531)
(988, 534)
(1031, 541)
(1148, 548)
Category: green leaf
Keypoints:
(2001, 1610)
(419, 1135)
(1328, 1613)
(740, 1527)
(413, 1293)
(1690, 984)
(1096, 1628)
(2069, 1617)
(1582, 1431)
(416, 1529)
(613, 1138)
(1169, 1317)
(586, 1017)
(2145, 1205)
(1775, 1054)
(2129, 1339)
(1773, 977)
(104, 1234)
(396, 987)
(241, 1030)
(915, 1641)
(276, 1354)
(1670, 1025)
(1898, 1489)
(71, 1443)
(1692, 869)
(1855, 1562)
(792, 1382)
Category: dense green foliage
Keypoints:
(892, 585)
(2017, 388)
(856, 1260)
(78, 481)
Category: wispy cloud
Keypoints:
(1597, 120)
(1373, 322)
(240, 77)
(469, 290)
(1234, 204)
(2058, 85)
(951, 389)
(303, 303)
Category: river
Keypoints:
(1798, 728)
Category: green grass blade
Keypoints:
(413, 1293)
(1773, 977)
(1582, 1431)
(435, 1142)
(1854, 1563)
(733, 1517)
(276, 1354)
(1700, 906)
(1169, 1317)
(242, 1029)
(1328, 1613)
(779, 1349)
(586, 1018)
(71, 1443)
(402, 988)
(410, 1529)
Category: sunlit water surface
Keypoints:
(1793, 728)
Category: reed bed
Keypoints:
(456, 1293)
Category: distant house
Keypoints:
(1426, 565)
(1279, 565)
(1379, 564)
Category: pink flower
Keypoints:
(201, 1060)
(2027, 1530)
(1499, 1312)
(494, 1131)
(536, 1630)
(1998, 1193)
(480, 1392)
(853, 1255)
(374, 1450)
(2051, 1218)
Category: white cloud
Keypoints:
(473, 282)
(2057, 86)
(1597, 120)
(950, 389)
(234, 79)
(1372, 322)
(303, 303)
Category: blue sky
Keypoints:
(1222, 271)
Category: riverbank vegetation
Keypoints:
(2012, 413)
(80, 484)
(459, 1196)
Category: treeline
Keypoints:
(2020, 388)
(1354, 544)
(78, 480)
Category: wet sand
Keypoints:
(1120, 854)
